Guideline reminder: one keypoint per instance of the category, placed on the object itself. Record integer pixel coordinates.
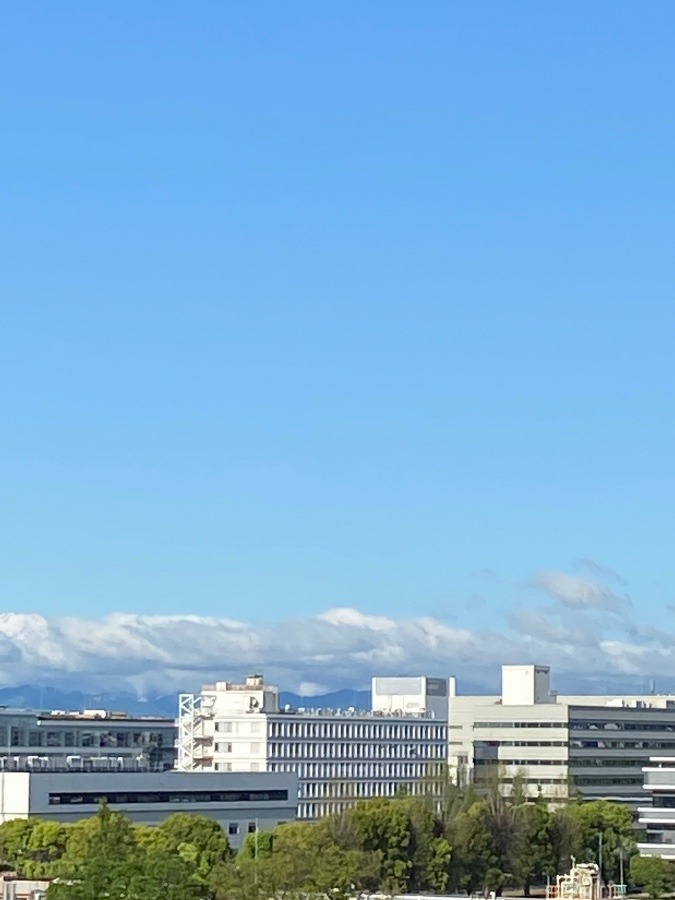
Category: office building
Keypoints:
(338, 755)
(93, 738)
(593, 746)
(657, 811)
(241, 802)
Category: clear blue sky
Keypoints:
(311, 305)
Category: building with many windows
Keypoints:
(88, 739)
(657, 812)
(338, 755)
(595, 746)
(241, 803)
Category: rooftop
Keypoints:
(82, 715)
(351, 713)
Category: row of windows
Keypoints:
(357, 751)
(375, 772)
(350, 730)
(532, 743)
(225, 747)
(592, 762)
(590, 725)
(233, 828)
(520, 725)
(316, 810)
(600, 762)
(622, 745)
(582, 781)
(252, 727)
(561, 781)
(19, 736)
(132, 797)
(345, 791)
(637, 725)
(523, 762)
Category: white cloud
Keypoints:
(338, 648)
(580, 593)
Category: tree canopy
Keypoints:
(475, 840)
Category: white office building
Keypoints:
(93, 738)
(595, 746)
(241, 802)
(657, 811)
(338, 755)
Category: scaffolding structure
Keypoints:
(195, 746)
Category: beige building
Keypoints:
(594, 745)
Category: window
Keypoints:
(255, 748)
(224, 727)
(130, 797)
(252, 827)
(223, 748)
(223, 767)
(233, 828)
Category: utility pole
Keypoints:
(255, 854)
(600, 861)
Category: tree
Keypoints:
(199, 841)
(474, 855)
(299, 857)
(536, 856)
(653, 874)
(606, 829)
(566, 838)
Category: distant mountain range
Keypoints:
(30, 696)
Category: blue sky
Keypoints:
(312, 306)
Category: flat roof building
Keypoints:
(338, 755)
(240, 802)
(94, 737)
(657, 812)
(595, 746)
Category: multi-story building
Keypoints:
(88, 739)
(241, 803)
(339, 755)
(657, 814)
(595, 746)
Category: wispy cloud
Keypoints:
(591, 567)
(580, 593)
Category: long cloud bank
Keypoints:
(580, 626)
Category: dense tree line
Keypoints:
(475, 841)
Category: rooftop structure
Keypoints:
(339, 755)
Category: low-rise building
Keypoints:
(241, 802)
(338, 755)
(594, 746)
(95, 737)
